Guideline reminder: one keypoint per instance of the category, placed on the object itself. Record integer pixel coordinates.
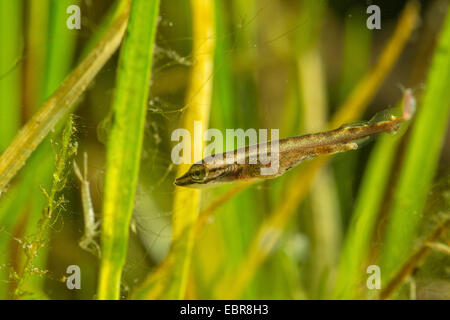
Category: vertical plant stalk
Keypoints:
(354, 251)
(357, 49)
(54, 204)
(61, 46)
(11, 57)
(116, 9)
(324, 214)
(323, 221)
(271, 230)
(59, 104)
(10, 67)
(170, 280)
(420, 161)
(35, 61)
(125, 142)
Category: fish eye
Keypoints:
(197, 172)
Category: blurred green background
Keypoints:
(285, 64)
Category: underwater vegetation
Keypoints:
(97, 99)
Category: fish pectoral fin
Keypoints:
(335, 148)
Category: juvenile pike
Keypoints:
(214, 170)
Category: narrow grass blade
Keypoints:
(61, 46)
(170, 279)
(223, 104)
(323, 216)
(125, 143)
(357, 51)
(59, 104)
(324, 222)
(37, 37)
(10, 66)
(420, 161)
(117, 8)
(11, 57)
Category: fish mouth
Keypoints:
(184, 181)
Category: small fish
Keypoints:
(216, 170)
